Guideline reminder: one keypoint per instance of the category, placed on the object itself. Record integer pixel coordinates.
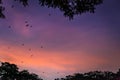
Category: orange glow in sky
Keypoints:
(48, 45)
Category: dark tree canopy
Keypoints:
(70, 8)
(93, 75)
(11, 72)
(8, 71)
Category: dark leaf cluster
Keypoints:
(93, 75)
(1, 10)
(70, 8)
(11, 72)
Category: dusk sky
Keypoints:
(55, 46)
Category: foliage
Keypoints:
(11, 72)
(93, 75)
(70, 8)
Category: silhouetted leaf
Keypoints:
(70, 8)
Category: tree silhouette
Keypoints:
(25, 75)
(118, 75)
(109, 75)
(11, 72)
(93, 75)
(8, 71)
(70, 8)
(1, 10)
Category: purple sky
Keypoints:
(89, 42)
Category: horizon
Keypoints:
(50, 44)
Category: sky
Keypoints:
(53, 46)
